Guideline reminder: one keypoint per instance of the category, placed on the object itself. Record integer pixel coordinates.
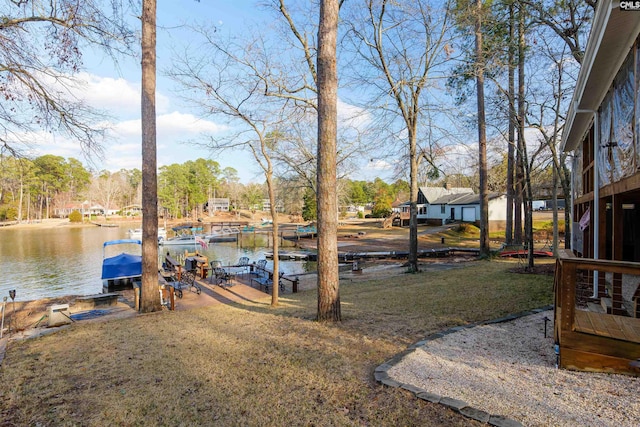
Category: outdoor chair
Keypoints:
(244, 263)
(221, 277)
(261, 267)
(188, 279)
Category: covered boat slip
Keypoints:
(122, 270)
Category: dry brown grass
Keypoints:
(255, 365)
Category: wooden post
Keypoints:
(136, 298)
(569, 296)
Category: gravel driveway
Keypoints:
(508, 369)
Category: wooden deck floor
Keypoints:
(608, 325)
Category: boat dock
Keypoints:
(426, 253)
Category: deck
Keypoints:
(597, 324)
(607, 325)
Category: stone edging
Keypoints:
(382, 376)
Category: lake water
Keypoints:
(65, 260)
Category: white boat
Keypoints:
(226, 234)
(185, 235)
(184, 239)
(136, 233)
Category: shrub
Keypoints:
(465, 228)
(8, 213)
(75, 216)
(360, 214)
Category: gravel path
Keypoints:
(508, 369)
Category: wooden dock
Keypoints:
(103, 224)
(427, 253)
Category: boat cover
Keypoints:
(122, 266)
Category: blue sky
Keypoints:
(116, 90)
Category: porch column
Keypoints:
(596, 197)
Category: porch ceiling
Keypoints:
(613, 34)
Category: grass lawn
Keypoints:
(250, 364)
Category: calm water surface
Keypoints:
(65, 260)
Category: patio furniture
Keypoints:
(221, 277)
(188, 277)
(243, 262)
(261, 269)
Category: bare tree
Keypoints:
(296, 152)
(150, 298)
(106, 188)
(403, 43)
(221, 82)
(547, 108)
(569, 21)
(328, 280)
(40, 53)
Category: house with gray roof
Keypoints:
(427, 197)
(441, 205)
(466, 208)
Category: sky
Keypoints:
(116, 90)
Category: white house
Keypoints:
(428, 195)
(466, 208)
(217, 204)
(266, 205)
(85, 208)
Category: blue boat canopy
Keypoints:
(121, 241)
(122, 266)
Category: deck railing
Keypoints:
(597, 317)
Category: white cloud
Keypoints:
(181, 123)
(118, 96)
(352, 116)
(378, 165)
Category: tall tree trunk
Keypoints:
(149, 298)
(21, 197)
(328, 280)
(40, 206)
(413, 200)
(512, 130)
(526, 182)
(482, 137)
(519, 184)
(276, 240)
